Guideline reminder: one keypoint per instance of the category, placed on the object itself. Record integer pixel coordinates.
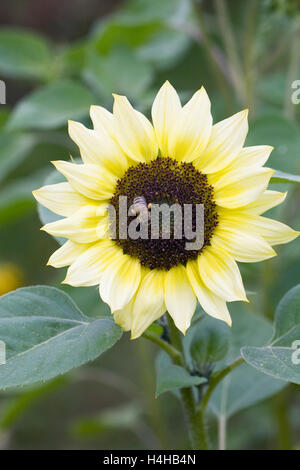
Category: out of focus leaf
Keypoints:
(16, 198)
(165, 48)
(123, 417)
(283, 135)
(46, 335)
(120, 72)
(123, 31)
(24, 54)
(171, 377)
(281, 177)
(51, 106)
(15, 407)
(13, 150)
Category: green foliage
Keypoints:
(103, 74)
(280, 359)
(14, 147)
(209, 341)
(244, 386)
(51, 106)
(283, 135)
(47, 335)
(24, 54)
(170, 377)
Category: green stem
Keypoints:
(230, 44)
(249, 53)
(209, 48)
(216, 379)
(173, 352)
(195, 420)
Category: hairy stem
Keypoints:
(195, 420)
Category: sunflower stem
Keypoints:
(195, 419)
(168, 348)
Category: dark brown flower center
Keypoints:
(164, 180)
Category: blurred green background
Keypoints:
(57, 57)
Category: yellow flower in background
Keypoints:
(181, 158)
(11, 277)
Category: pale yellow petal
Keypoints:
(120, 281)
(103, 121)
(209, 301)
(180, 299)
(98, 148)
(135, 133)
(66, 254)
(192, 130)
(273, 231)
(149, 303)
(264, 202)
(88, 267)
(165, 111)
(226, 141)
(242, 245)
(61, 198)
(221, 274)
(90, 180)
(123, 317)
(80, 227)
(250, 157)
(240, 187)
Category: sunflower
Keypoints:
(184, 158)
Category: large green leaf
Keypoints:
(171, 377)
(244, 386)
(281, 359)
(14, 147)
(47, 335)
(24, 54)
(51, 106)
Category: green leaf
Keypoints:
(283, 135)
(281, 177)
(244, 386)
(13, 150)
(16, 198)
(209, 341)
(281, 359)
(46, 335)
(120, 72)
(24, 54)
(287, 314)
(51, 106)
(171, 377)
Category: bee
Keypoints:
(140, 208)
